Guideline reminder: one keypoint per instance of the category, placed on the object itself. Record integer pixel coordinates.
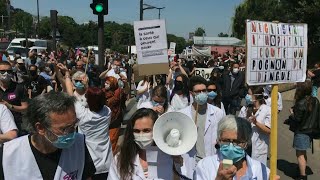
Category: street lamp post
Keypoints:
(38, 24)
(160, 11)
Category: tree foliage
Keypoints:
(117, 36)
(223, 35)
(200, 31)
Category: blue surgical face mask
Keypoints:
(154, 104)
(64, 141)
(201, 98)
(79, 85)
(212, 95)
(248, 99)
(234, 153)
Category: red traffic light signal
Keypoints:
(99, 7)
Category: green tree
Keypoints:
(223, 35)
(199, 32)
(180, 42)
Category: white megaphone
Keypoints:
(175, 133)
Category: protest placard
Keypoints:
(203, 72)
(276, 52)
(152, 47)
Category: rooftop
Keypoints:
(221, 41)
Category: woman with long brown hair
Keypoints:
(303, 114)
(139, 157)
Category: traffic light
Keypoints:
(99, 7)
(54, 18)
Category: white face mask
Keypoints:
(107, 86)
(235, 70)
(143, 140)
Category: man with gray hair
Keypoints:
(53, 150)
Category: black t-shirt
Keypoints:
(37, 85)
(48, 163)
(15, 94)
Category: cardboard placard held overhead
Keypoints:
(152, 47)
(203, 72)
(276, 52)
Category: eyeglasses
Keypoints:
(66, 130)
(77, 81)
(6, 71)
(200, 91)
(235, 142)
(209, 90)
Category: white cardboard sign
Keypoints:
(151, 41)
(276, 52)
(203, 72)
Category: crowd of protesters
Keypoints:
(67, 112)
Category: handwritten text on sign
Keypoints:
(277, 52)
(151, 41)
(203, 72)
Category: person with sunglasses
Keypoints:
(12, 94)
(259, 114)
(206, 117)
(234, 136)
(53, 147)
(214, 95)
(80, 87)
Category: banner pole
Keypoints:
(274, 132)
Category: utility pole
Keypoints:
(9, 14)
(101, 39)
(38, 24)
(141, 10)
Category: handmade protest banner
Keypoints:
(203, 72)
(276, 52)
(152, 47)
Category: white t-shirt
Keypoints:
(115, 75)
(178, 103)
(95, 127)
(81, 99)
(146, 94)
(6, 120)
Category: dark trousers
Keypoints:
(231, 105)
(102, 176)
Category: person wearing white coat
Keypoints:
(207, 120)
(234, 137)
(259, 114)
(267, 97)
(158, 101)
(138, 157)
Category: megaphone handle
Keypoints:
(196, 115)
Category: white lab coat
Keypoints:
(214, 115)
(207, 169)
(268, 101)
(260, 140)
(159, 166)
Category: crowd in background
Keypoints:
(101, 94)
